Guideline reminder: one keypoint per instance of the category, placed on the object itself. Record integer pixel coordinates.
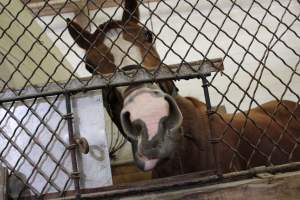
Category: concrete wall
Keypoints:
(25, 50)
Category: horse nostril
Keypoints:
(138, 128)
(132, 128)
(174, 119)
(127, 116)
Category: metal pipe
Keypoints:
(145, 76)
(213, 139)
(69, 118)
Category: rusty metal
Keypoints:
(171, 72)
(69, 118)
(83, 145)
(212, 136)
(3, 182)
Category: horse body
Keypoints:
(268, 135)
(169, 133)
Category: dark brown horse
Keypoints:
(170, 133)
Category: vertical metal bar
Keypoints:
(213, 139)
(69, 118)
(205, 85)
(3, 183)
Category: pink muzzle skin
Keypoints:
(148, 107)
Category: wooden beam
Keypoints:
(285, 186)
(266, 187)
(54, 7)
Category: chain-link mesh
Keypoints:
(257, 41)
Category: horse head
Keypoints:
(146, 114)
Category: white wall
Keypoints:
(234, 53)
(246, 51)
(26, 52)
(94, 167)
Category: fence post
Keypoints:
(212, 137)
(3, 182)
(72, 145)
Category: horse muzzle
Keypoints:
(151, 120)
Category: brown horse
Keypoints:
(266, 135)
(170, 133)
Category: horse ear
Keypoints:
(131, 11)
(83, 38)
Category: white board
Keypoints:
(88, 123)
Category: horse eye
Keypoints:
(148, 36)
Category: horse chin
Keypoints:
(153, 159)
(145, 163)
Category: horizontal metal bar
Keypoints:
(178, 182)
(172, 72)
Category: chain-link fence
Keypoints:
(256, 45)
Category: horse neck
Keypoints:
(196, 132)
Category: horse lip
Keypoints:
(145, 163)
(152, 153)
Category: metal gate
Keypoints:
(258, 43)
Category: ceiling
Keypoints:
(53, 7)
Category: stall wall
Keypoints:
(25, 50)
(36, 144)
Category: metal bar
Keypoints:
(69, 118)
(213, 139)
(205, 85)
(194, 179)
(187, 71)
(3, 182)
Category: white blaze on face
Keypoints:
(149, 108)
(124, 52)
